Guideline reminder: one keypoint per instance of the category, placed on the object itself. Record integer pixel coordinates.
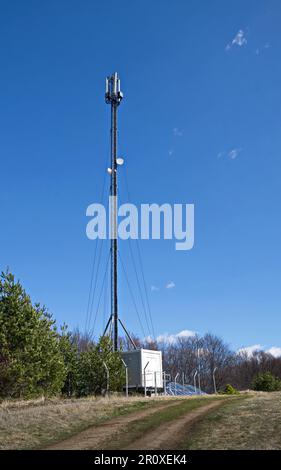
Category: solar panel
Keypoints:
(176, 389)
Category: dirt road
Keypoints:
(163, 437)
(96, 436)
(168, 436)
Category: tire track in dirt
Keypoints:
(167, 436)
(97, 435)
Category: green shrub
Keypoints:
(69, 351)
(36, 360)
(91, 371)
(229, 390)
(266, 382)
(31, 363)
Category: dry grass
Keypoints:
(253, 423)
(34, 423)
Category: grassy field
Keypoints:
(253, 423)
(34, 423)
(246, 421)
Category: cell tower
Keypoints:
(143, 358)
(113, 96)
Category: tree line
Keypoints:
(37, 358)
(211, 361)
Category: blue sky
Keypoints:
(200, 123)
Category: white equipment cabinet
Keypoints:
(144, 370)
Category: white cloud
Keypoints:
(259, 50)
(234, 153)
(149, 339)
(171, 152)
(154, 289)
(172, 338)
(177, 132)
(249, 350)
(185, 334)
(238, 40)
(170, 285)
(275, 351)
